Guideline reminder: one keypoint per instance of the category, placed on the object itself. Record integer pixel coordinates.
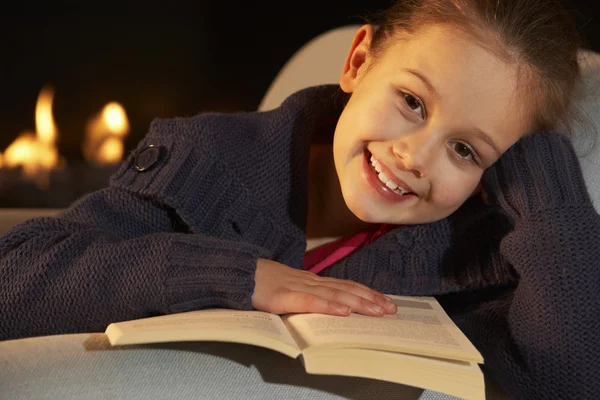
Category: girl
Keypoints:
(442, 100)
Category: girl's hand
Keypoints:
(281, 289)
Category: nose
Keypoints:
(413, 153)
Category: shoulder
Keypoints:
(242, 138)
(304, 106)
(259, 148)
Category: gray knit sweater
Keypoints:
(182, 223)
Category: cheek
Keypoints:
(356, 128)
(452, 191)
(375, 116)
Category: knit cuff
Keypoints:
(203, 272)
(540, 172)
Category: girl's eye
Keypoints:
(414, 104)
(463, 152)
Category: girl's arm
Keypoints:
(179, 228)
(113, 256)
(541, 340)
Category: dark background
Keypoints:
(162, 59)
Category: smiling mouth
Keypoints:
(386, 180)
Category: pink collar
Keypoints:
(316, 260)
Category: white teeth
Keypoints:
(375, 164)
(391, 185)
(383, 177)
(386, 179)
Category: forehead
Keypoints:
(473, 83)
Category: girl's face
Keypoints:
(428, 117)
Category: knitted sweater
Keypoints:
(181, 225)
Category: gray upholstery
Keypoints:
(587, 132)
(85, 366)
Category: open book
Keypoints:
(418, 346)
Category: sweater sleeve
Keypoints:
(177, 229)
(112, 257)
(540, 340)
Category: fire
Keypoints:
(44, 121)
(105, 134)
(115, 118)
(32, 154)
(36, 152)
(111, 150)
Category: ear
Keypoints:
(358, 56)
(479, 191)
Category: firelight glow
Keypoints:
(105, 132)
(36, 152)
(44, 121)
(115, 119)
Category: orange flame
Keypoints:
(44, 121)
(104, 135)
(36, 152)
(33, 155)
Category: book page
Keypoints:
(421, 326)
(222, 325)
(463, 379)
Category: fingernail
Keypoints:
(377, 309)
(343, 309)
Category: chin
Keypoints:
(363, 214)
(361, 209)
(370, 215)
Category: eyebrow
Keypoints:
(425, 81)
(434, 93)
(488, 139)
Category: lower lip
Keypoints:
(379, 186)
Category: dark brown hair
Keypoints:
(539, 35)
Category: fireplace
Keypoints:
(33, 173)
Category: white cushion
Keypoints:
(318, 62)
(586, 135)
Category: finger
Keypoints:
(368, 294)
(357, 304)
(320, 279)
(356, 284)
(360, 290)
(299, 302)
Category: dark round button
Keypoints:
(148, 158)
